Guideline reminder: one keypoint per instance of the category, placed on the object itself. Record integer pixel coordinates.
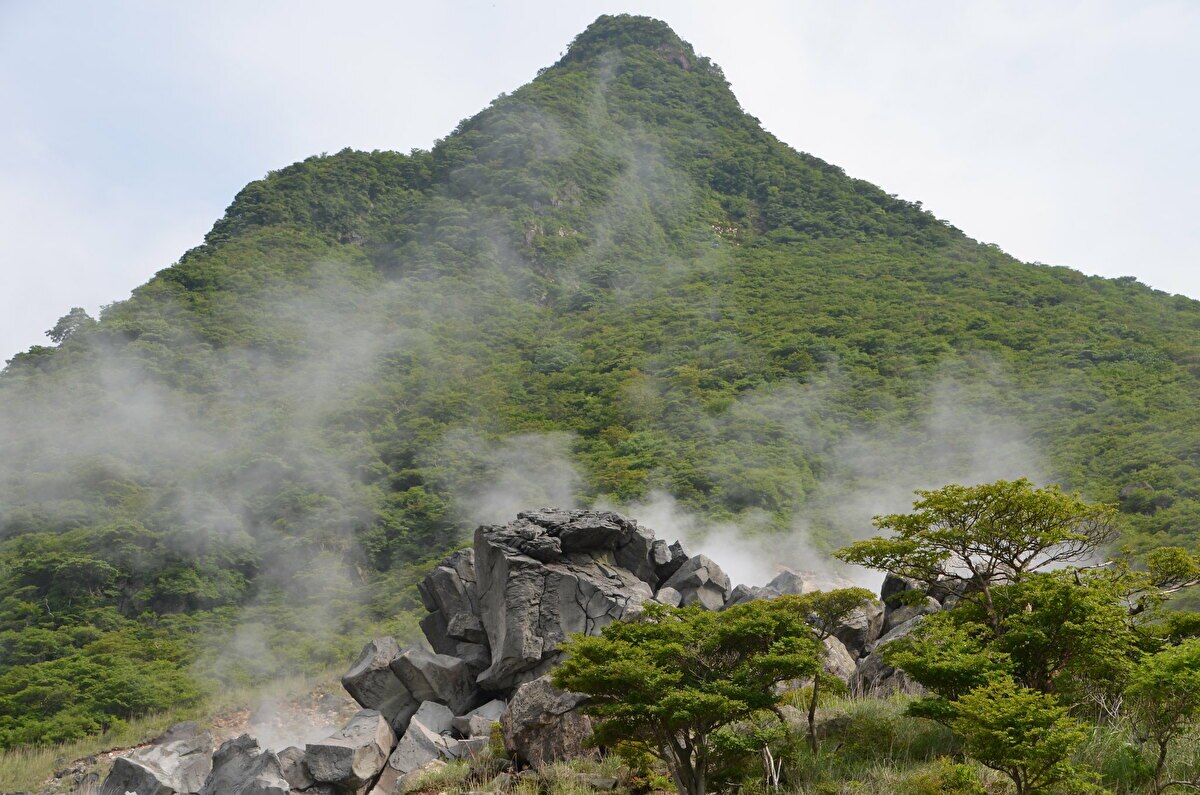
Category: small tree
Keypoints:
(669, 680)
(826, 612)
(70, 324)
(1164, 698)
(1026, 735)
(983, 535)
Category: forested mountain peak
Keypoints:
(610, 286)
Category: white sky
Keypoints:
(1065, 132)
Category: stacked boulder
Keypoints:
(498, 613)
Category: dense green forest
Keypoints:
(611, 284)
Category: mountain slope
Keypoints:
(611, 284)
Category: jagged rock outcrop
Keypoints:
(552, 573)
(497, 615)
(178, 762)
(374, 685)
(241, 767)
(543, 724)
(355, 754)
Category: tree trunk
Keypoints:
(812, 714)
(1160, 765)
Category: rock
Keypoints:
(409, 781)
(746, 593)
(601, 782)
(293, 769)
(353, 755)
(477, 656)
(701, 580)
(466, 627)
(387, 782)
(635, 554)
(906, 613)
(837, 661)
(532, 601)
(471, 747)
(875, 677)
(436, 717)
(478, 722)
(373, 684)
(669, 596)
(542, 724)
(240, 767)
(178, 762)
(676, 555)
(861, 627)
(419, 746)
(894, 585)
(437, 677)
(792, 582)
(451, 595)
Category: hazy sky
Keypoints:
(1065, 132)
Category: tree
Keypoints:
(826, 611)
(70, 324)
(1164, 698)
(668, 681)
(1026, 735)
(981, 536)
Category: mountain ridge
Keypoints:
(609, 286)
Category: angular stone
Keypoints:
(437, 677)
(353, 755)
(874, 677)
(419, 746)
(634, 554)
(450, 587)
(669, 596)
(530, 606)
(240, 767)
(792, 582)
(373, 684)
(543, 724)
(701, 580)
(894, 585)
(477, 656)
(861, 627)
(293, 769)
(435, 717)
(748, 593)
(836, 661)
(466, 627)
(437, 632)
(906, 613)
(178, 762)
(478, 722)
(677, 555)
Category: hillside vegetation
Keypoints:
(611, 284)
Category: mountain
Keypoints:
(610, 286)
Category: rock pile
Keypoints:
(498, 613)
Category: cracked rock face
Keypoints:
(179, 762)
(551, 573)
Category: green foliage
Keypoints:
(614, 252)
(1022, 733)
(1164, 696)
(670, 681)
(984, 535)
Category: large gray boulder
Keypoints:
(478, 722)
(547, 575)
(240, 767)
(672, 556)
(451, 596)
(837, 661)
(177, 762)
(701, 580)
(745, 593)
(437, 677)
(543, 724)
(894, 585)
(874, 677)
(861, 628)
(374, 685)
(293, 769)
(424, 742)
(355, 754)
(905, 613)
(793, 582)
